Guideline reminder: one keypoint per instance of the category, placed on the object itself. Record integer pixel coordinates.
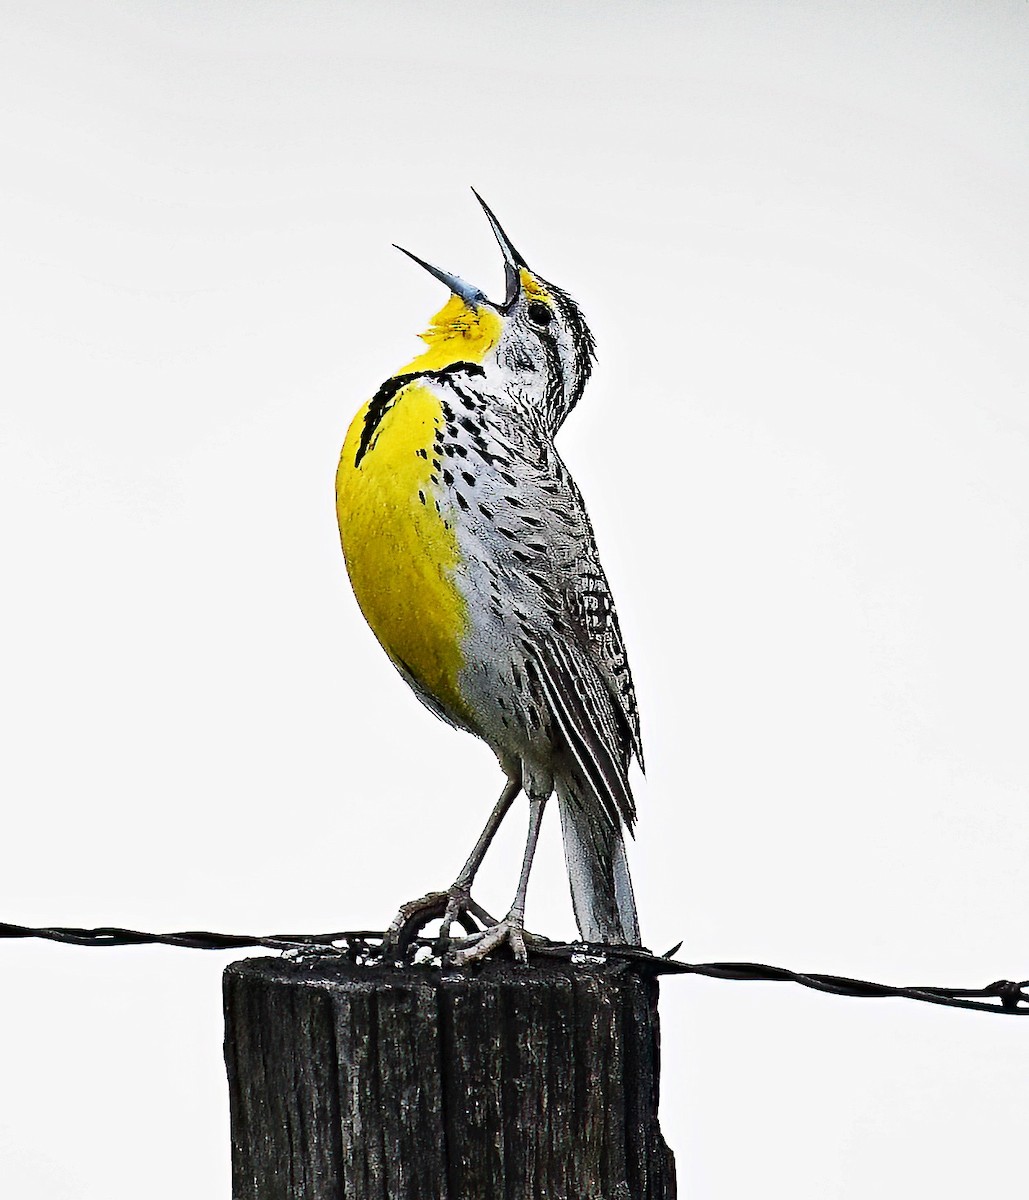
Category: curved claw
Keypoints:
(459, 901)
(453, 906)
(460, 904)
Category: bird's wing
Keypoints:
(591, 607)
(590, 726)
(581, 652)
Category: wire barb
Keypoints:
(369, 947)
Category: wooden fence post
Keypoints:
(506, 1082)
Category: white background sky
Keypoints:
(799, 232)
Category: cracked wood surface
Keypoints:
(355, 1082)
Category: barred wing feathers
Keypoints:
(584, 714)
(583, 660)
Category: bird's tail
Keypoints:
(598, 871)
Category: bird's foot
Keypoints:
(511, 930)
(453, 906)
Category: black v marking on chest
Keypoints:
(385, 397)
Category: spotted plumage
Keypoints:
(474, 561)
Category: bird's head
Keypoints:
(536, 339)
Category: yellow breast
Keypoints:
(399, 549)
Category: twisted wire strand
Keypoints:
(370, 947)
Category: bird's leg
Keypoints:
(457, 900)
(512, 928)
(460, 893)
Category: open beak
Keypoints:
(473, 296)
(513, 261)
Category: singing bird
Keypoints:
(474, 562)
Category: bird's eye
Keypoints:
(539, 314)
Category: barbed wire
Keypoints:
(371, 947)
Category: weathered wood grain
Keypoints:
(504, 1083)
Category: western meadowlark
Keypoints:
(474, 562)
